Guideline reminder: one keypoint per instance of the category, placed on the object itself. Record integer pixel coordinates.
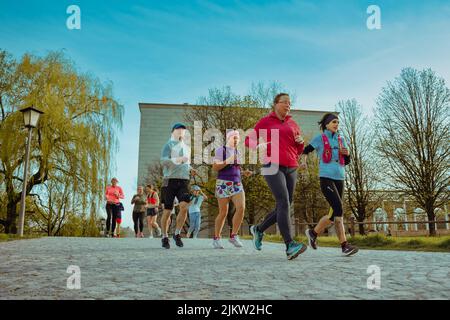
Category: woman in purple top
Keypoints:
(229, 187)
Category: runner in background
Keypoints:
(140, 202)
(195, 215)
(113, 195)
(152, 210)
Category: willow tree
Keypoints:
(75, 138)
(413, 134)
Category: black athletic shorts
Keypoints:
(176, 188)
(152, 212)
(163, 194)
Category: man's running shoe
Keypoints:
(165, 243)
(295, 249)
(257, 237)
(177, 239)
(217, 244)
(236, 241)
(158, 232)
(349, 250)
(312, 239)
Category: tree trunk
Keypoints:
(429, 207)
(251, 217)
(431, 217)
(360, 218)
(362, 231)
(11, 217)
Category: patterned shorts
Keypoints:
(227, 189)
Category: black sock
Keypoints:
(343, 244)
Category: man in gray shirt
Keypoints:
(175, 159)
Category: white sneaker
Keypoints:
(150, 236)
(158, 232)
(236, 242)
(217, 244)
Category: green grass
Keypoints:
(11, 237)
(380, 242)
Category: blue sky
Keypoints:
(174, 51)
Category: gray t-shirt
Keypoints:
(174, 149)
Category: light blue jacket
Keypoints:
(332, 170)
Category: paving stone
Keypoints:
(140, 269)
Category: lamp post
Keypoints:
(30, 118)
(102, 226)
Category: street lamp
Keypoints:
(102, 226)
(30, 119)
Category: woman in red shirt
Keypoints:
(283, 144)
(113, 206)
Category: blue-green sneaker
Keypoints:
(257, 237)
(295, 249)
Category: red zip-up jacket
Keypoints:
(288, 150)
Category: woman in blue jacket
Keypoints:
(333, 157)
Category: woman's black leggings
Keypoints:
(111, 210)
(282, 185)
(333, 190)
(138, 219)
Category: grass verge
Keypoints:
(380, 242)
(11, 237)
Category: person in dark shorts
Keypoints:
(175, 159)
(152, 210)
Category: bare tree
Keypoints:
(263, 93)
(413, 134)
(361, 174)
(309, 203)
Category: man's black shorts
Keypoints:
(163, 194)
(176, 188)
